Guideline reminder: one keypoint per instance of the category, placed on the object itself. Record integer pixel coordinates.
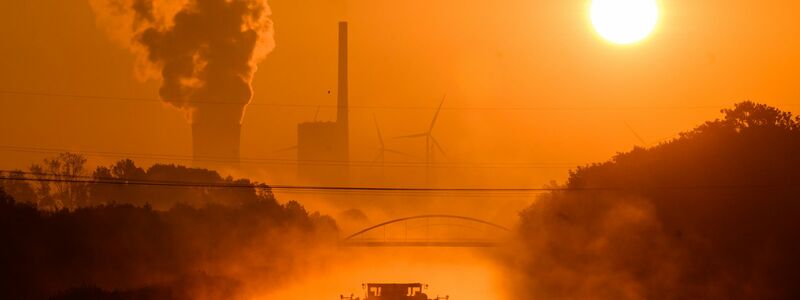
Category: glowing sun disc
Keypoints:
(624, 21)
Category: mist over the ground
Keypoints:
(709, 215)
(241, 244)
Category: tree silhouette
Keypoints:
(711, 215)
(164, 197)
(60, 194)
(52, 185)
(120, 251)
(122, 171)
(17, 186)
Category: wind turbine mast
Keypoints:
(431, 144)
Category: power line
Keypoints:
(115, 181)
(272, 187)
(188, 184)
(51, 177)
(369, 107)
(278, 161)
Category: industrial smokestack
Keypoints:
(205, 52)
(328, 141)
(216, 132)
(342, 117)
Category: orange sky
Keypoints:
(532, 91)
(528, 82)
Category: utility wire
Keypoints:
(117, 181)
(370, 107)
(278, 161)
(52, 177)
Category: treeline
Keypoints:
(709, 215)
(217, 251)
(62, 182)
(86, 240)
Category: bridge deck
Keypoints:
(359, 239)
(452, 244)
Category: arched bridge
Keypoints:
(429, 231)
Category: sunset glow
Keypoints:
(415, 150)
(624, 21)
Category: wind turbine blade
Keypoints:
(412, 136)
(287, 149)
(378, 129)
(436, 115)
(638, 137)
(436, 143)
(397, 152)
(378, 157)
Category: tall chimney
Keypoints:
(342, 117)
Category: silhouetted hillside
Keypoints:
(712, 214)
(213, 252)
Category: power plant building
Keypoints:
(323, 148)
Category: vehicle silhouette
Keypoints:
(393, 291)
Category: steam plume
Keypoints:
(205, 52)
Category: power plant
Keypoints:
(323, 148)
(216, 134)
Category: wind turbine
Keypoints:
(431, 144)
(381, 157)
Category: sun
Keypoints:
(624, 21)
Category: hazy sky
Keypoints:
(529, 83)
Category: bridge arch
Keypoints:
(494, 233)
